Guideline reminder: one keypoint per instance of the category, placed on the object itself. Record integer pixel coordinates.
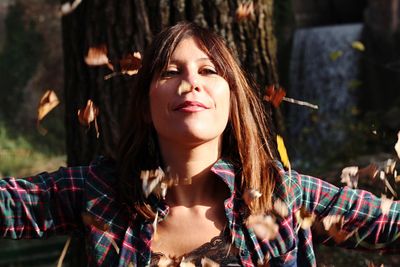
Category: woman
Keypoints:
(195, 180)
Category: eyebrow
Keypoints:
(197, 60)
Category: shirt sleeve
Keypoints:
(351, 218)
(42, 205)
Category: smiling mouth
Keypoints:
(190, 106)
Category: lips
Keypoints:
(190, 106)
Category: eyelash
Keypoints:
(169, 73)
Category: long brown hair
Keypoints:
(245, 139)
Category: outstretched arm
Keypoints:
(352, 218)
(42, 205)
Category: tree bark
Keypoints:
(127, 26)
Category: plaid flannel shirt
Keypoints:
(52, 203)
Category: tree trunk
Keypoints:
(126, 26)
(381, 65)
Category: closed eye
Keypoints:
(169, 73)
(207, 71)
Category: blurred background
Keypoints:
(341, 55)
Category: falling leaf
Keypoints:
(206, 262)
(397, 146)
(264, 226)
(281, 208)
(131, 63)
(245, 11)
(47, 103)
(350, 176)
(250, 196)
(88, 115)
(90, 220)
(67, 7)
(282, 151)
(369, 172)
(97, 56)
(273, 95)
(357, 45)
(335, 55)
(165, 261)
(386, 203)
(371, 264)
(151, 179)
(304, 218)
(334, 225)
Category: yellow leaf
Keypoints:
(282, 151)
(358, 46)
(335, 55)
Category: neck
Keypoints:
(191, 164)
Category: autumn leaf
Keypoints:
(273, 95)
(304, 218)
(88, 115)
(47, 103)
(281, 208)
(206, 262)
(397, 145)
(350, 176)
(68, 8)
(97, 56)
(131, 63)
(357, 45)
(90, 220)
(245, 11)
(250, 196)
(335, 55)
(282, 151)
(264, 226)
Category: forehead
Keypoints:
(189, 48)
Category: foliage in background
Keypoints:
(18, 156)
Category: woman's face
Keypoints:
(189, 100)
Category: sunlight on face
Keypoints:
(189, 100)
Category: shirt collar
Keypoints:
(225, 169)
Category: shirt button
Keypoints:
(229, 205)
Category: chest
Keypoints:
(185, 230)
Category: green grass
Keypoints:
(19, 157)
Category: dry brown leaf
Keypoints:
(97, 56)
(397, 145)
(250, 196)
(369, 172)
(273, 95)
(151, 179)
(47, 103)
(350, 176)
(67, 7)
(206, 262)
(304, 218)
(281, 208)
(90, 220)
(131, 63)
(386, 203)
(245, 11)
(164, 261)
(264, 226)
(334, 225)
(88, 115)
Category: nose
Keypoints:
(189, 83)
